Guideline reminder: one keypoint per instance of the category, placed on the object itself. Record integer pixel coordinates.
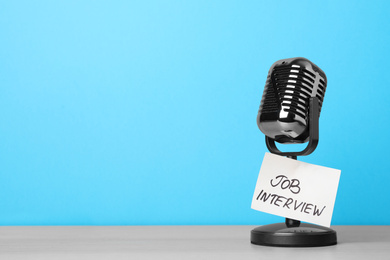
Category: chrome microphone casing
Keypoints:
(284, 109)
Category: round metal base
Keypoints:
(305, 235)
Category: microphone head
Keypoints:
(283, 114)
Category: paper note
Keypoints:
(297, 190)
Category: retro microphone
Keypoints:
(289, 113)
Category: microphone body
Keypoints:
(284, 109)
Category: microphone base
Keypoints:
(305, 235)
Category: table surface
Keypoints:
(179, 242)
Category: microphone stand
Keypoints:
(293, 233)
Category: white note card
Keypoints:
(296, 190)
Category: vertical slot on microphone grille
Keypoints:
(270, 102)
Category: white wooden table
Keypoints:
(179, 242)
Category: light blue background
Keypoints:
(144, 112)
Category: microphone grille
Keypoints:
(290, 85)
